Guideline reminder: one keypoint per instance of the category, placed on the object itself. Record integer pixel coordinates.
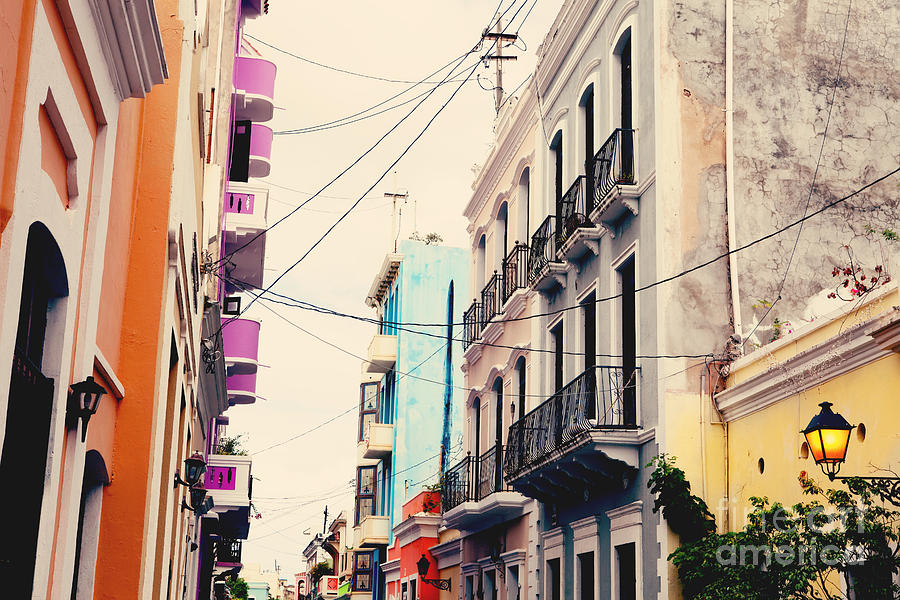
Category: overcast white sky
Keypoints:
(308, 382)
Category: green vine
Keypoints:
(686, 514)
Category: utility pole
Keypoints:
(395, 225)
(325, 523)
(498, 37)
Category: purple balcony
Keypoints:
(254, 88)
(240, 338)
(260, 150)
(241, 388)
(245, 210)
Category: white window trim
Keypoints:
(615, 343)
(554, 548)
(586, 538)
(625, 526)
(593, 287)
(513, 559)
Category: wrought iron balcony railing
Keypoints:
(613, 164)
(573, 208)
(473, 479)
(492, 298)
(472, 324)
(601, 397)
(228, 551)
(543, 247)
(515, 271)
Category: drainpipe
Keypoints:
(729, 167)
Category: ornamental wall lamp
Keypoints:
(194, 468)
(423, 565)
(828, 436)
(200, 502)
(84, 397)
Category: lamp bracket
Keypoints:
(441, 584)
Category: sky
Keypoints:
(308, 381)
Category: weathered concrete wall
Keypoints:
(786, 65)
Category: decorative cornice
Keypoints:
(469, 568)
(841, 354)
(625, 516)
(885, 330)
(472, 353)
(447, 554)
(503, 154)
(391, 570)
(514, 557)
(492, 331)
(553, 538)
(415, 527)
(585, 528)
(383, 280)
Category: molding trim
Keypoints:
(553, 538)
(513, 557)
(841, 354)
(470, 568)
(448, 554)
(102, 365)
(625, 516)
(585, 528)
(391, 570)
(415, 527)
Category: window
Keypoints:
(404, 591)
(362, 572)
(513, 587)
(412, 589)
(553, 581)
(470, 588)
(587, 107)
(628, 333)
(502, 237)
(523, 207)
(368, 407)
(556, 336)
(520, 372)
(365, 493)
(490, 585)
(624, 106)
(480, 264)
(476, 434)
(627, 576)
(556, 150)
(586, 576)
(589, 328)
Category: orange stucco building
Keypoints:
(113, 168)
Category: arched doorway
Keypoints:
(24, 458)
(88, 535)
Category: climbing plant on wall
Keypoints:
(840, 544)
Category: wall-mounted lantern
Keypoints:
(194, 468)
(200, 502)
(84, 397)
(828, 435)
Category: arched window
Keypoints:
(520, 376)
(522, 227)
(502, 236)
(476, 431)
(556, 155)
(480, 264)
(587, 113)
(622, 100)
(497, 388)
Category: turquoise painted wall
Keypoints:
(421, 296)
(257, 590)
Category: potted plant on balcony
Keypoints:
(431, 502)
(231, 446)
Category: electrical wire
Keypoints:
(653, 284)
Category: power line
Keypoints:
(338, 69)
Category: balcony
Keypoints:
(585, 436)
(229, 483)
(475, 495)
(576, 233)
(260, 150)
(515, 271)
(227, 552)
(245, 209)
(382, 354)
(254, 88)
(491, 299)
(241, 388)
(472, 324)
(240, 341)
(616, 191)
(545, 270)
(373, 531)
(379, 441)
